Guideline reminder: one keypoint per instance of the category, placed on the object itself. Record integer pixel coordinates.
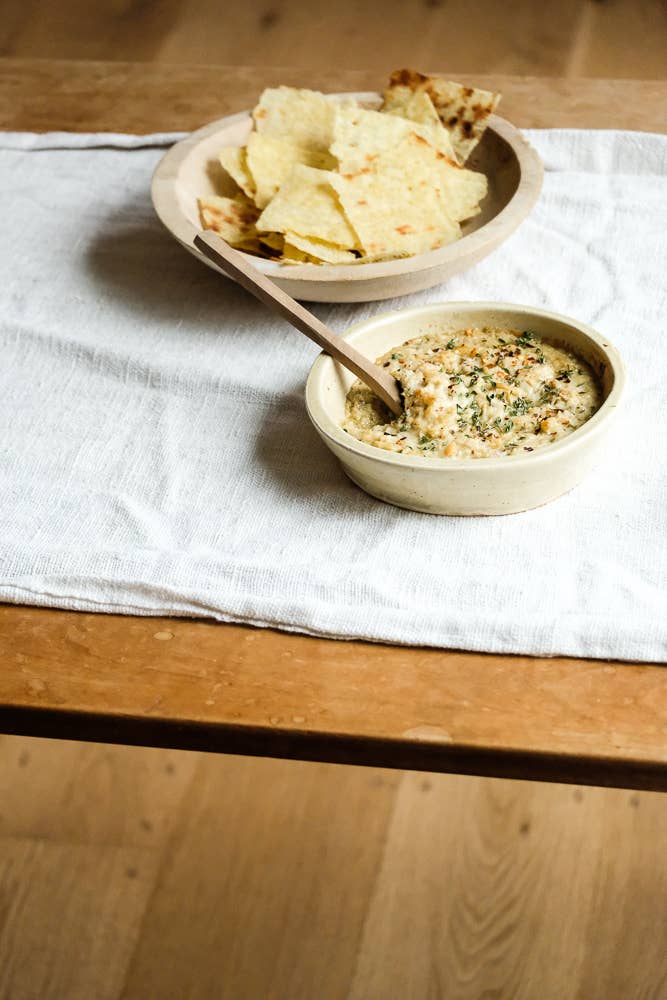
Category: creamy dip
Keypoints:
(476, 393)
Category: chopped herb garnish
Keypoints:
(519, 406)
(525, 414)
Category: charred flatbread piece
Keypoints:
(324, 181)
(418, 107)
(391, 168)
(389, 185)
(462, 110)
(231, 218)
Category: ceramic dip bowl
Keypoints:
(467, 486)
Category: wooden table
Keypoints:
(198, 685)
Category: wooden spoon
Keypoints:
(251, 278)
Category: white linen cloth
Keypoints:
(156, 457)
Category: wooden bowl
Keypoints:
(191, 169)
(466, 486)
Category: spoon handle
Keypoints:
(251, 278)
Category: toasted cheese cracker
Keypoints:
(233, 160)
(231, 218)
(307, 204)
(462, 110)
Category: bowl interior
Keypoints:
(329, 382)
(200, 172)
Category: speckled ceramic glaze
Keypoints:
(466, 486)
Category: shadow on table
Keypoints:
(147, 271)
(135, 262)
(297, 461)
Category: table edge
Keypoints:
(332, 748)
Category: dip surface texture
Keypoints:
(476, 393)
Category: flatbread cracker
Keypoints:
(418, 107)
(307, 204)
(361, 138)
(372, 142)
(271, 160)
(301, 117)
(463, 190)
(233, 160)
(292, 255)
(319, 250)
(377, 258)
(395, 203)
(462, 110)
(327, 181)
(231, 218)
(275, 241)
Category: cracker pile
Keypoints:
(326, 181)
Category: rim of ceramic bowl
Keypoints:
(531, 174)
(328, 427)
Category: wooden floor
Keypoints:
(614, 38)
(130, 874)
(149, 875)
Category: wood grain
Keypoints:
(348, 883)
(199, 685)
(291, 880)
(48, 794)
(382, 34)
(623, 38)
(42, 95)
(286, 858)
(66, 909)
(516, 891)
(76, 29)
